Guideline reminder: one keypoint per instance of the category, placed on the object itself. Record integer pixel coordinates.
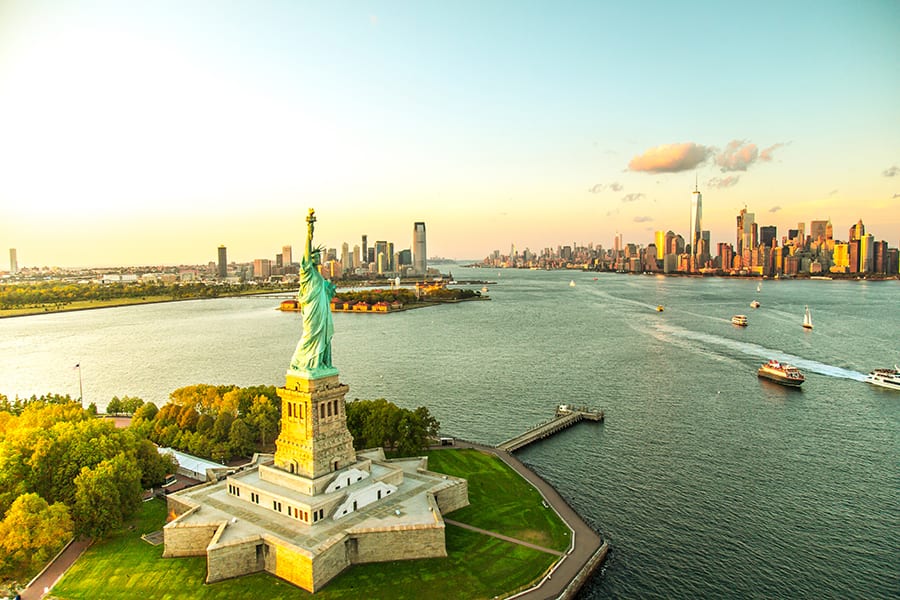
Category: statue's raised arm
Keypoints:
(312, 358)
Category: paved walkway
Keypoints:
(504, 537)
(587, 541)
(46, 580)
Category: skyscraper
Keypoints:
(13, 261)
(739, 242)
(287, 255)
(696, 218)
(365, 248)
(418, 248)
(223, 263)
(345, 256)
(660, 241)
(768, 235)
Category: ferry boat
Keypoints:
(781, 373)
(887, 378)
(739, 320)
(754, 304)
(807, 320)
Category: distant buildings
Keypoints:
(13, 261)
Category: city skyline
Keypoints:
(154, 133)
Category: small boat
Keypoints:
(886, 378)
(781, 373)
(758, 287)
(595, 278)
(572, 283)
(739, 320)
(754, 304)
(659, 308)
(807, 320)
(484, 290)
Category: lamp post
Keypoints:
(80, 386)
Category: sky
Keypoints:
(149, 133)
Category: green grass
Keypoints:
(477, 566)
(500, 500)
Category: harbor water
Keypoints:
(707, 481)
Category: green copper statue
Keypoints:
(312, 358)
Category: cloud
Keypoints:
(737, 156)
(615, 186)
(766, 155)
(671, 158)
(724, 182)
(643, 219)
(895, 196)
(632, 197)
(831, 193)
(892, 172)
(775, 209)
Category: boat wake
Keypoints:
(762, 352)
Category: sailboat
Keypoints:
(759, 287)
(572, 283)
(807, 320)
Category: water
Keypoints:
(707, 481)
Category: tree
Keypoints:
(240, 438)
(114, 407)
(106, 495)
(222, 426)
(153, 466)
(146, 412)
(266, 417)
(32, 532)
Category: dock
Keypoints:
(566, 416)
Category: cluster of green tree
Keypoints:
(18, 405)
(383, 424)
(63, 472)
(127, 405)
(23, 295)
(450, 294)
(214, 422)
(404, 295)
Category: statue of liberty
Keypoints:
(312, 358)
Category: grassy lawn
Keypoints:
(505, 504)
(478, 566)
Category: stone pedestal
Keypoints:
(314, 439)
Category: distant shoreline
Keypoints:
(115, 303)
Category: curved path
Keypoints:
(589, 548)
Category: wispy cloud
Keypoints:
(775, 209)
(895, 196)
(891, 172)
(724, 182)
(643, 219)
(615, 186)
(768, 154)
(632, 197)
(737, 156)
(671, 158)
(831, 193)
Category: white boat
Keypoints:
(754, 304)
(807, 320)
(739, 320)
(572, 283)
(758, 287)
(886, 378)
